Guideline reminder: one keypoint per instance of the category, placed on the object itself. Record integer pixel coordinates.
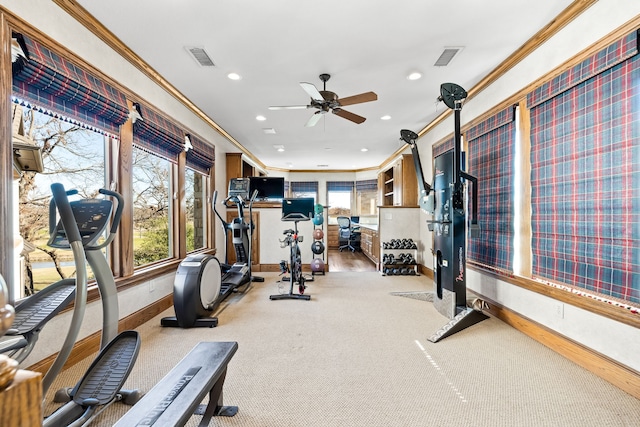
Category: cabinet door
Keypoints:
(375, 247)
(397, 184)
(409, 181)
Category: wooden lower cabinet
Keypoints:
(332, 236)
(370, 244)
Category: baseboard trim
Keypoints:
(91, 344)
(621, 376)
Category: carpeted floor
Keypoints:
(358, 355)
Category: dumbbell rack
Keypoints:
(394, 257)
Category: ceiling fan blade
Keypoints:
(288, 107)
(313, 119)
(348, 115)
(312, 91)
(358, 99)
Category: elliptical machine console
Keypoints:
(202, 282)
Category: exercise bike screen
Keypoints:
(300, 209)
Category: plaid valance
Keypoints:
(367, 185)
(304, 186)
(499, 119)
(612, 55)
(157, 134)
(339, 185)
(442, 147)
(202, 156)
(49, 81)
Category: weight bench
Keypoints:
(177, 396)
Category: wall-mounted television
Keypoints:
(269, 187)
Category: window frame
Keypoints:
(117, 167)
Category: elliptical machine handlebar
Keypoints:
(115, 222)
(56, 191)
(61, 202)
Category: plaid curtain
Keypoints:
(491, 150)
(442, 147)
(202, 156)
(52, 85)
(304, 187)
(367, 185)
(340, 186)
(585, 174)
(157, 134)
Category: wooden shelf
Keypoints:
(398, 185)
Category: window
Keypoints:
(72, 156)
(196, 206)
(585, 174)
(339, 199)
(366, 198)
(491, 146)
(304, 189)
(151, 208)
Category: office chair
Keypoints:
(346, 236)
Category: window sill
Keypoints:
(602, 308)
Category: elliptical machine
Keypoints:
(202, 282)
(82, 225)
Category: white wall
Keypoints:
(271, 232)
(613, 339)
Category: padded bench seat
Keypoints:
(177, 396)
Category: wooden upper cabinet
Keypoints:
(238, 168)
(398, 184)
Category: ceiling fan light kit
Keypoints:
(326, 101)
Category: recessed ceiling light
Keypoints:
(280, 148)
(261, 118)
(387, 117)
(414, 76)
(364, 149)
(269, 130)
(234, 76)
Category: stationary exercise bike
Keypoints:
(295, 210)
(202, 282)
(81, 228)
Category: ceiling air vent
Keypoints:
(200, 55)
(447, 55)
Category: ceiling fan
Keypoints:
(325, 101)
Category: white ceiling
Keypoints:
(366, 45)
